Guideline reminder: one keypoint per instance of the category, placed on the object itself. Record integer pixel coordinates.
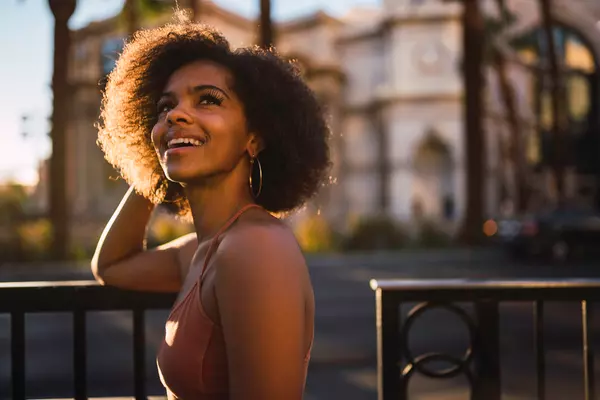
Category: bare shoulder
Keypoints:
(264, 249)
(265, 307)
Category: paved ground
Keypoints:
(344, 357)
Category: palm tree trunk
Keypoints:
(195, 7)
(502, 181)
(473, 50)
(558, 132)
(59, 215)
(516, 149)
(266, 26)
(508, 98)
(130, 11)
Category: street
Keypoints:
(344, 356)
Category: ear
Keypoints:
(255, 145)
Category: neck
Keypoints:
(213, 205)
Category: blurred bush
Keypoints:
(12, 199)
(431, 234)
(35, 237)
(10, 246)
(314, 234)
(376, 233)
(164, 227)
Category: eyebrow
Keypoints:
(197, 89)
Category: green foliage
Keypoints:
(35, 238)
(314, 234)
(431, 235)
(147, 10)
(80, 252)
(376, 233)
(12, 199)
(164, 228)
(155, 7)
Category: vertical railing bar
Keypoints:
(487, 366)
(400, 357)
(588, 353)
(389, 385)
(475, 346)
(139, 354)
(17, 337)
(79, 354)
(380, 350)
(540, 355)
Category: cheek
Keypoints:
(156, 135)
(229, 133)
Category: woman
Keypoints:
(226, 137)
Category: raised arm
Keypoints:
(261, 288)
(122, 260)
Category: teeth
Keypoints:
(194, 142)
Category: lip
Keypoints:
(181, 150)
(182, 134)
(175, 133)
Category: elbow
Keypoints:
(98, 270)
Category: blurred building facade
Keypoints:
(577, 35)
(390, 79)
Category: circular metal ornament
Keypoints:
(420, 363)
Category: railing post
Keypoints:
(390, 384)
(79, 354)
(588, 352)
(487, 360)
(17, 338)
(540, 355)
(139, 354)
(77, 298)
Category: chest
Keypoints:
(206, 287)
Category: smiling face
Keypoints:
(201, 131)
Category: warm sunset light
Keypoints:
(279, 199)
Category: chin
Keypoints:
(184, 176)
(179, 177)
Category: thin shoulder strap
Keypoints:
(215, 240)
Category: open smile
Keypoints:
(185, 142)
(182, 145)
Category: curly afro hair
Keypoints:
(278, 106)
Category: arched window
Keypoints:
(581, 77)
(576, 57)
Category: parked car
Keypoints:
(558, 234)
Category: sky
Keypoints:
(26, 33)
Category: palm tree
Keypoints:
(131, 16)
(558, 120)
(473, 50)
(266, 25)
(59, 215)
(516, 150)
(508, 95)
(135, 11)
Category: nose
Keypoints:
(178, 116)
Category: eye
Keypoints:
(209, 98)
(164, 106)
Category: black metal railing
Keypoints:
(78, 297)
(481, 362)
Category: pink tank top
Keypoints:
(192, 359)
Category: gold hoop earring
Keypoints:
(260, 174)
